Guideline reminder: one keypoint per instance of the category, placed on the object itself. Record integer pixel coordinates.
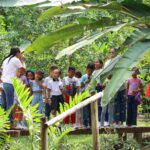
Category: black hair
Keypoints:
(78, 74)
(29, 71)
(91, 66)
(40, 73)
(100, 61)
(53, 67)
(13, 53)
(71, 68)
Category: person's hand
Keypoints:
(88, 81)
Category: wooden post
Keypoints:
(138, 137)
(44, 134)
(95, 125)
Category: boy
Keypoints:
(55, 91)
(134, 86)
(71, 87)
(46, 82)
(84, 84)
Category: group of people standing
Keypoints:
(49, 92)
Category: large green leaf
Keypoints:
(55, 11)
(122, 69)
(86, 41)
(135, 8)
(44, 42)
(17, 3)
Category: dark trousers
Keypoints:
(48, 109)
(120, 107)
(87, 115)
(131, 111)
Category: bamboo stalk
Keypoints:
(74, 109)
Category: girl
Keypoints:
(10, 65)
(36, 89)
(134, 85)
(30, 77)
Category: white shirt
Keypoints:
(47, 80)
(10, 68)
(55, 87)
(71, 81)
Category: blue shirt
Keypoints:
(35, 86)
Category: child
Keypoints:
(120, 106)
(79, 113)
(84, 84)
(55, 91)
(110, 107)
(30, 77)
(134, 86)
(17, 111)
(46, 82)
(71, 86)
(36, 89)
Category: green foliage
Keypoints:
(122, 69)
(16, 3)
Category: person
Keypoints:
(84, 84)
(1, 90)
(46, 82)
(11, 63)
(147, 92)
(36, 90)
(134, 86)
(29, 77)
(109, 106)
(17, 111)
(55, 92)
(71, 87)
(120, 106)
(99, 86)
(79, 113)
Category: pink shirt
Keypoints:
(134, 84)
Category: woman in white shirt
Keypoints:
(11, 63)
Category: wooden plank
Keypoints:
(12, 133)
(44, 134)
(95, 126)
(110, 130)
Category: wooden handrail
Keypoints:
(94, 113)
(74, 109)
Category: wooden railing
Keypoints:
(94, 116)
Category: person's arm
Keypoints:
(31, 88)
(127, 89)
(41, 85)
(48, 97)
(22, 59)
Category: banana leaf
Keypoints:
(17, 3)
(44, 42)
(86, 41)
(122, 69)
(57, 11)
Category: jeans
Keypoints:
(120, 107)
(131, 111)
(87, 115)
(48, 109)
(9, 92)
(110, 114)
(38, 99)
